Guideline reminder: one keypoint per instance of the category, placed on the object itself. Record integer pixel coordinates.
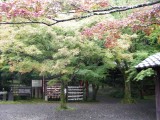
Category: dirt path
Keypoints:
(107, 109)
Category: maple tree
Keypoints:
(47, 12)
(39, 49)
(137, 20)
(111, 30)
(94, 63)
(34, 10)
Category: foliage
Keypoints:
(144, 73)
(117, 94)
(41, 50)
(55, 51)
(94, 61)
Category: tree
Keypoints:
(39, 49)
(33, 11)
(111, 30)
(94, 62)
(46, 12)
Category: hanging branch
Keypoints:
(90, 13)
(124, 8)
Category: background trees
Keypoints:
(100, 46)
(37, 49)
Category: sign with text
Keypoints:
(36, 83)
(24, 91)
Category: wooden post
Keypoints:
(157, 92)
(43, 88)
(36, 92)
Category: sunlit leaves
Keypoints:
(24, 66)
(87, 5)
(38, 49)
(144, 73)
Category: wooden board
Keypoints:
(53, 91)
(75, 93)
(22, 90)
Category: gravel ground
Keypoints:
(109, 109)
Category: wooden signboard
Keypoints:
(22, 90)
(36, 83)
(53, 92)
(75, 93)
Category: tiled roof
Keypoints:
(151, 61)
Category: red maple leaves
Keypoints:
(110, 29)
(25, 8)
(87, 5)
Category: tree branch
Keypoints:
(124, 8)
(91, 13)
(30, 22)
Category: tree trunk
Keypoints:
(95, 90)
(63, 104)
(102, 86)
(127, 86)
(127, 90)
(127, 93)
(87, 91)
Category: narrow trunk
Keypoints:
(127, 86)
(127, 93)
(63, 104)
(102, 86)
(87, 91)
(95, 90)
(127, 90)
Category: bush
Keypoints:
(117, 94)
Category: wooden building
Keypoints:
(153, 61)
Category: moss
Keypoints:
(66, 108)
(128, 101)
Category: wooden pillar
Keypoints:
(43, 88)
(157, 92)
(36, 92)
(39, 92)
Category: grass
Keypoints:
(68, 109)
(30, 101)
(149, 97)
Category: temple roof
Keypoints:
(150, 62)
